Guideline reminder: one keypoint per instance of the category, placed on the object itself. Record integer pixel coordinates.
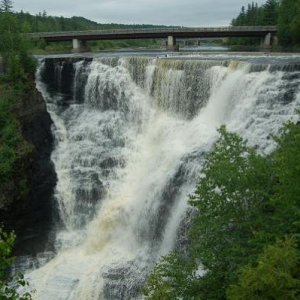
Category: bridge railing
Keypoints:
(156, 30)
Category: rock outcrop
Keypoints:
(28, 199)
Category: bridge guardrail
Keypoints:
(156, 30)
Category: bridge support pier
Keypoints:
(274, 40)
(171, 44)
(79, 46)
(269, 41)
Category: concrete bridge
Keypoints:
(268, 34)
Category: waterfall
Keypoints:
(131, 134)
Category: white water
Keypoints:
(129, 149)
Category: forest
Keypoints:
(285, 14)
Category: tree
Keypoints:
(6, 6)
(295, 24)
(10, 38)
(288, 23)
(286, 200)
(270, 12)
(245, 203)
(14, 49)
(230, 198)
(275, 276)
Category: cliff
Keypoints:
(26, 204)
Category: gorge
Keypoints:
(130, 135)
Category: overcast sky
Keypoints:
(163, 12)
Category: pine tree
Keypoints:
(6, 6)
(288, 23)
(271, 12)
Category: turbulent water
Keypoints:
(131, 134)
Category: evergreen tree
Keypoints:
(289, 24)
(270, 14)
(6, 6)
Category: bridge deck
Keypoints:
(149, 33)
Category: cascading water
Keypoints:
(130, 135)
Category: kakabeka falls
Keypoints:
(130, 136)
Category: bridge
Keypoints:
(268, 34)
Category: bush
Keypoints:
(275, 276)
(10, 287)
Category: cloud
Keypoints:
(164, 12)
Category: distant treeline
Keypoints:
(44, 23)
(283, 13)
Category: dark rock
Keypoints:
(30, 214)
(59, 74)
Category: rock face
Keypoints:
(29, 211)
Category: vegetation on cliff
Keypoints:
(19, 70)
(244, 241)
(10, 290)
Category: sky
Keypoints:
(159, 12)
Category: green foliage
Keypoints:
(18, 68)
(10, 38)
(289, 23)
(270, 12)
(10, 291)
(110, 45)
(9, 136)
(230, 196)
(275, 276)
(173, 278)
(287, 170)
(230, 199)
(9, 287)
(18, 65)
(7, 241)
(245, 203)
(287, 197)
